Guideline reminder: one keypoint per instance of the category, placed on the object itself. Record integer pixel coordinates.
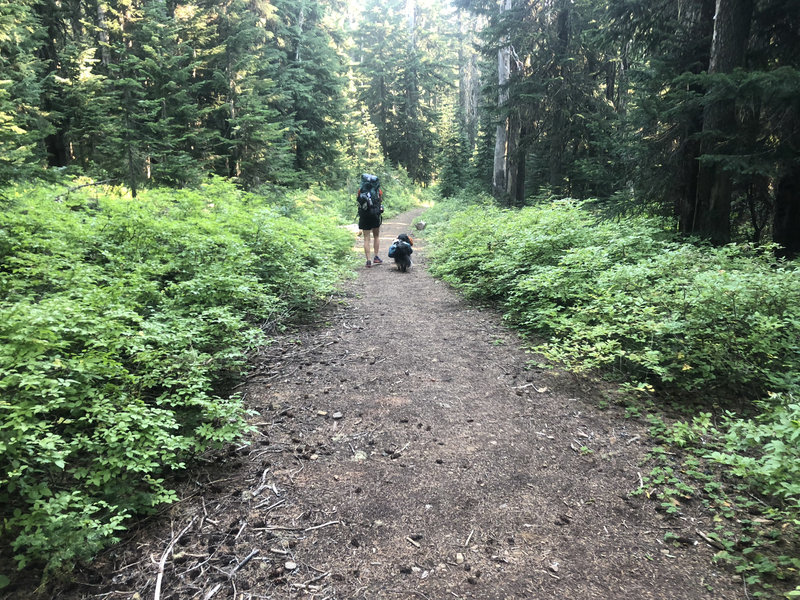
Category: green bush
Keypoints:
(765, 451)
(121, 322)
(623, 295)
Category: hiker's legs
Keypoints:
(366, 233)
(376, 236)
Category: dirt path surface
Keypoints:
(404, 450)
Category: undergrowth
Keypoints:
(122, 323)
(625, 297)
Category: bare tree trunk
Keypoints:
(301, 21)
(102, 25)
(516, 186)
(501, 150)
(560, 117)
(469, 80)
(714, 185)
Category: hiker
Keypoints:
(370, 209)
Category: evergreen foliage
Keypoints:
(632, 103)
(22, 124)
(405, 65)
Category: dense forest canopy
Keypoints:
(688, 108)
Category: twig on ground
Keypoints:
(212, 592)
(321, 526)
(469, 537)
(269, 508)
(317, 578)
(262, 486)
(246, 560)
(241, 529)
(710, 541)
(163, 561)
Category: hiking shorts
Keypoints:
(369, 221)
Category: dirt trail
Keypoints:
(404, 450)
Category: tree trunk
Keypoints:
(501, 150)
(560, 117)
(102, 26)
(469, 80)
(714, 186)
(301, 21)
(515, 163)
(786, 223)
(697, 21)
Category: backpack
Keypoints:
(370, 195)
(401, 246)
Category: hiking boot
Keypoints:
(377, 260)
(369, 264)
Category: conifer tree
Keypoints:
(22, 125)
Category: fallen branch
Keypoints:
(321, 526)
(162, 563)
(469, 538)
(212, 592)
(271, 506)
(61, 197)
(246, 560)
(317, 578)
(262, 486)
(710, 541)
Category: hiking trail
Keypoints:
(404, 448)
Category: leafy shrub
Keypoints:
(622, 294)
(120, 323)
(765, 451)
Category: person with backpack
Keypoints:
(370, 209)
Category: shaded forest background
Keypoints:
(644, 105)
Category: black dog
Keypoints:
(400, 251)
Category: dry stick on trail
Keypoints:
(162, 563)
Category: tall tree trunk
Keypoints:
(559, 121)
(515, 163)
(469, 80)
(697, 21)
(786, 223)
(102, 26)
(301, 21)
(413, 143)
(501, 150)
(714, 185)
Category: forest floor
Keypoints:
(405, 448)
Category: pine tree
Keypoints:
(453, 160)
(22, 124)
